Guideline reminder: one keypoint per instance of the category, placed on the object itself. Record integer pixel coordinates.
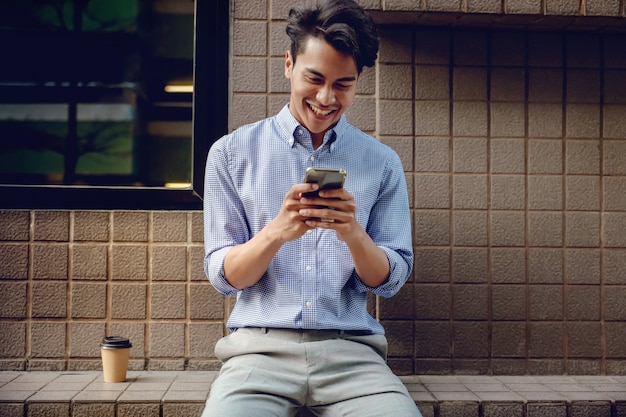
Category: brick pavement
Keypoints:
(170, 393)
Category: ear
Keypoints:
(288, 65)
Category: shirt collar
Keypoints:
(292, 128)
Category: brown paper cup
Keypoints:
(115, 352)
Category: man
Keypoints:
(301, 332)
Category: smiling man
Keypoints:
(302, 267)
(323, 86)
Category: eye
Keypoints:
(314, 80)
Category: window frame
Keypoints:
(210, 99)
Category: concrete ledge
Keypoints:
(181, 394)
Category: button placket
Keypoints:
(309, 280)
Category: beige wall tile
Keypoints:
(13, 299)
(91, 226)
(50, 225)
(130, 226)
(14, 262)
(50, 261)
(88, 300)
(89, 261)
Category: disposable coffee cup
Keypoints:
(115, 352)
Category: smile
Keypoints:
(319, 111)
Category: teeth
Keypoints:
(319, 111)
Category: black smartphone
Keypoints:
(327, 178)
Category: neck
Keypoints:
(317, 139)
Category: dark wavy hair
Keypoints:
(342, 23)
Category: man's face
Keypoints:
(323, 86)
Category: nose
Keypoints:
(326, 95)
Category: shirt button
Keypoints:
(312, 158)
(309, 231)
(309, 304)
(308, 268)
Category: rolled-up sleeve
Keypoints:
(390, 229)
(223, 218)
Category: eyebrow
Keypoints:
(319, 74)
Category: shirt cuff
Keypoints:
(214, 267)
(397, 278)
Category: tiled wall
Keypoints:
(514, 147)
(70, 277)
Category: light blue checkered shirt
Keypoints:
(311, 282)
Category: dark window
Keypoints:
(96, 102)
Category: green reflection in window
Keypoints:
(97, 15)
(86, 103)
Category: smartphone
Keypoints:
(327, 178)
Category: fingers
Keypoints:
(298, 189)
(338, 194)
(326, 210)
(334, 206)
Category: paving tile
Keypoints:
(414, 387)
(64, 386)
(585, 396)
(97, 396)
(77, 377)
(141, 396)
(190, 386)
(499, 396)
(174, 396)
(107, 386)
(190, 376)
(42, 377)
(559, 387)
(438, 379)
(455, 396)
(555, 379)
(446, 387)
(514, 379)
(23, 386)
(12, 396)
(586, 379)
(543, 396)
(149, 386)
(525, 387)
(619, 396)
(8, 376)
(486, 387)
(411, 379)
(52, 396)
(155, 376)
(422, 396)
(607, 387)
(477, 379)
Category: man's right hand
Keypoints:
(289, 225)
(246, 263)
